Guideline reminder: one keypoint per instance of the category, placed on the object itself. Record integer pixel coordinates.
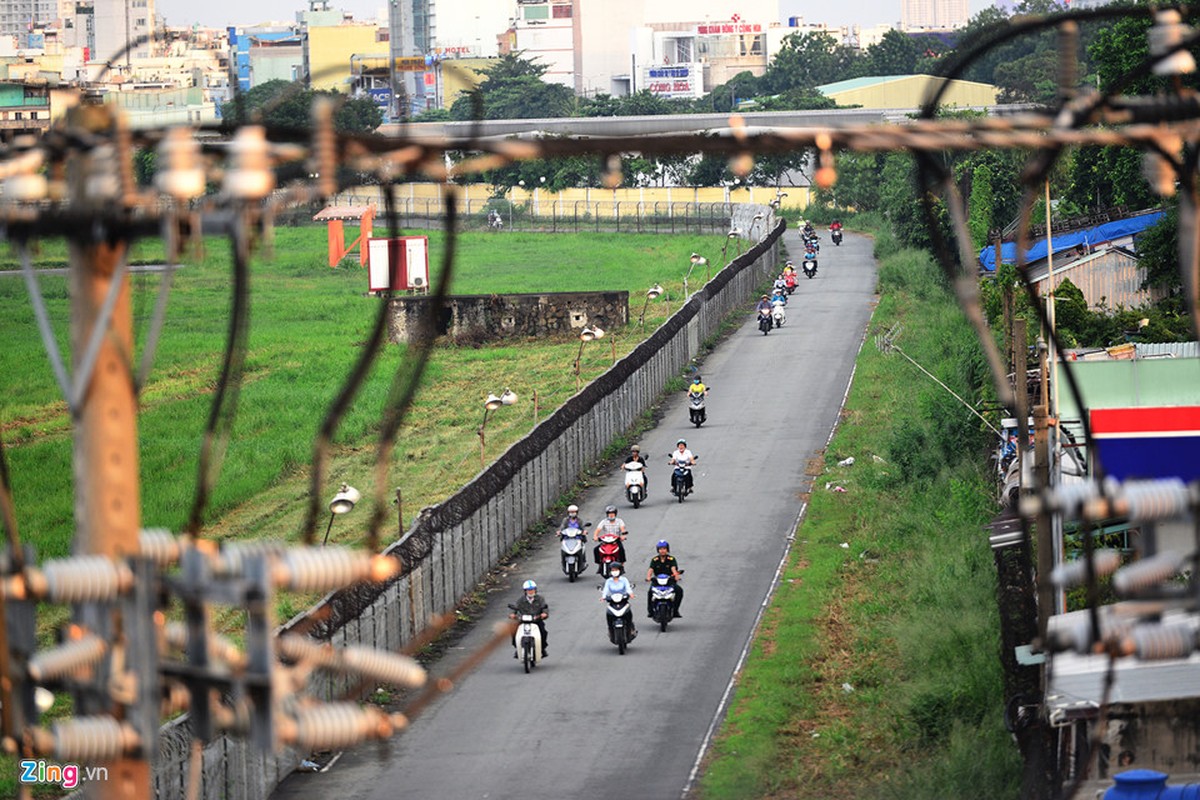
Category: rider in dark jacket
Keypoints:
(531, 603)
(665, 564)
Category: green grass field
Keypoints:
(308, 323)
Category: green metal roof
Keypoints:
(862, 83)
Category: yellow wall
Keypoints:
(460, 75)
(598, 202)
(910, 93)
(329, 51)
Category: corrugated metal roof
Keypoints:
(1172, 349)
(1078, 679)
(862, 83)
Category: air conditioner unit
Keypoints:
(400, 263)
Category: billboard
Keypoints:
(1146, 442)
(674, 80)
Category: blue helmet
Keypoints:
(662, 543)
(529, 585)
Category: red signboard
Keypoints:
(1148, 442)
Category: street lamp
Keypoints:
(695, 261)
(342, 503)
(734, 233)
(651, 293)
(586, 335)
(754, 223)
(506, 398)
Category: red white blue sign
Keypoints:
(1150, 442)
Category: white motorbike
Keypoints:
(662, 600)
(696, 408)
(528, 640)
(620, 621)
(778, 315)
(635, 482)
(573, 554)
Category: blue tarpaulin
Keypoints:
(1089, 237)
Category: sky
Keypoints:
(220, 13)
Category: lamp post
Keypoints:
(651, 293)
(586, 335)
(754, 223)
(342, 503)
(735, 233)
(695, 260)
(506, 398)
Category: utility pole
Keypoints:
(1041, 482)
(107, 501)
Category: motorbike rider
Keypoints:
(764, 305)
(572, 520)
(635, 454)
(494, 219)
(611, 524)
(664, 564)
(836, 225)
(681, 456)
(697, 387)
(617, 583)
(531, 603)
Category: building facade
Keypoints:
(933, 15)
(23, 18)
(119, 23)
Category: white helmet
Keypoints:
(572, 509)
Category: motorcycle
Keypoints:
(635, 483)
(778, 315)
(620, 621)
(680, 480)
(765, 321)
(789, 282)
(573, 555)
(836, 236)
(528, 640)
(809, 266)
(610, 552)
(495, 222)
(662, 600)
(696, 408)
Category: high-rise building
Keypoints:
(120, 23)
(20, 17)
(936, 15)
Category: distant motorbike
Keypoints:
(778, 315)
(573, 555)
(494, 221)
(635, 482)
(765, 321)
(662, 600)
(809, 266)
(789, 282)
(696, 411)
(836, 236)
(620, 621)
(528, 640)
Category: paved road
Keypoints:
(590, 723)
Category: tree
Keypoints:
(285, 105)
(514, 89)
(1158, 252)
(979, 213)
(894, 54)
(807, 60)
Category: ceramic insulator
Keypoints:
(385, 667)
(1147, 573)
(159, 545)
(336, 725)
(91, 739)
(85, 579)
(1075, 572)
(1163, 641)
(67, 658)
(1160, 499)
(322, 569)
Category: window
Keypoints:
(537, 12)
(562, 12)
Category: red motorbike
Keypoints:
(789, 282)
(612, 550)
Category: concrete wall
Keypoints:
(486, 317)
(452, 546)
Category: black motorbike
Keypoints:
(809, 267)
(836, 236)
(765, 322)
(662, 600)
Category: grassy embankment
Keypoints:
(308, 324)
(876, 671)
